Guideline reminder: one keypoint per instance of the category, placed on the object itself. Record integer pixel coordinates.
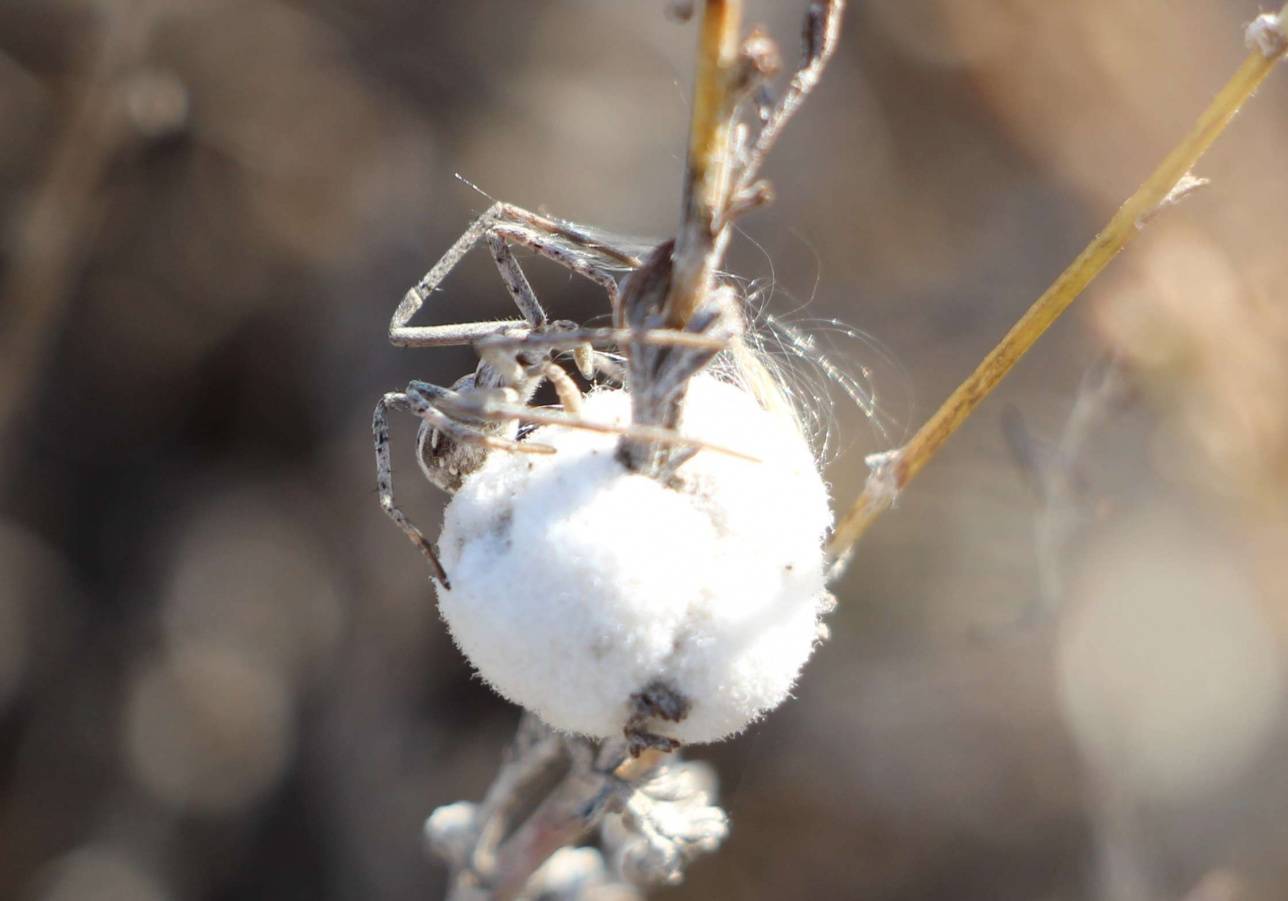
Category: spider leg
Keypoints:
(496, 406)
(565, 387)
(500, 351)
(577, 260)
(571, 338)
(464, 434)
(403, 335)
(422, 400)
(689, 351)
(504, 224)
(515, 281)
(450, 412)
(385, 483)
(587, 240)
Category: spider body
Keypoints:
(445, 460)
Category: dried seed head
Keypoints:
(577, 583)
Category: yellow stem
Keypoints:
(706, 179)
(1122, 228)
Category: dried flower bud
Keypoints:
(576, 584)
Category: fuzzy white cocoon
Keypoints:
(576, 583)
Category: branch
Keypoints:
(822, 33)
(552, 792)
(892, 472)
(698, 245)
(57, 229)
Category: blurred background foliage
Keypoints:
(1057, 667)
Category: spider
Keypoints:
(480, 412)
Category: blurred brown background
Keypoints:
(1057, 669)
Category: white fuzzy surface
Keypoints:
(575, 583)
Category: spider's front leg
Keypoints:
(449, 446)
(385, 483)
(502, 226)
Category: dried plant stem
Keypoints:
(888, 480)
(551, 792)
(822, 36)
(568, 814)
(57, 230)
(699, 243)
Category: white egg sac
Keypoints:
(576, 583)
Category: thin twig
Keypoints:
(879, 493)
(699, 242)
(551, 792)
(822, 33)
(65, 208)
